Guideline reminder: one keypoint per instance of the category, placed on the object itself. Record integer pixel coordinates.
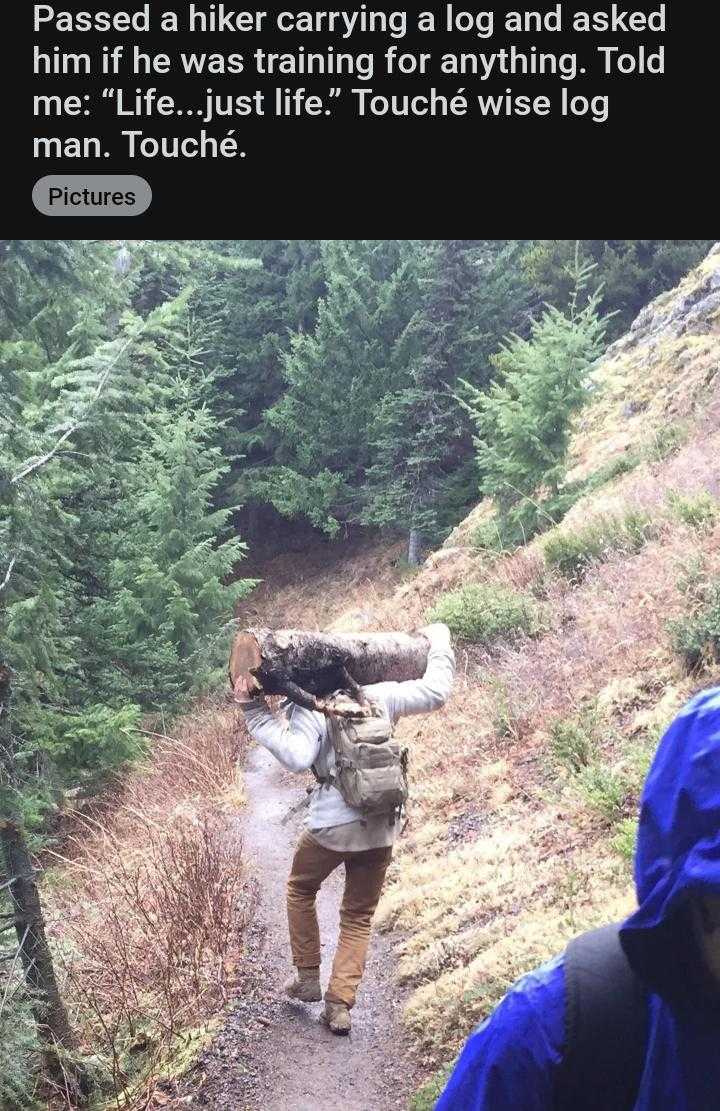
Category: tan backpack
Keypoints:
(370, 766)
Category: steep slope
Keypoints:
(526, 785)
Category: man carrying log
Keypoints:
(353, 816)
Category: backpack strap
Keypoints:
(605, 1026)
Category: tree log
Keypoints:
(305, 666)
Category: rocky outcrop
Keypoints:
(693, 308)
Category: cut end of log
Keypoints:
(244, 657)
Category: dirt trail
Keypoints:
(274, 1053)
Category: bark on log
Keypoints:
(305, 666)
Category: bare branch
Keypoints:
(42, 460)
(8, 573)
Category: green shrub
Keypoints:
(621, 464)
(693, 577)
(604, 789)
(490, 536)
(575, 744)
(636, 528)
(571, 552)
(505, 531)
(696, 637)
(572, 744)
(667, 440)
(484, 612)
(19, 1054)
(508, 711)
(512, 528)
(699, 512)
(639, 755)
(625, 837)
(427, 1096)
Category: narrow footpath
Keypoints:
(274, 1053)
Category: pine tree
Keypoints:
(114, 564)
(334, 377)
(164, 627)
(159, 623)
(36, 649)
(523, 422)
(421, 436)
(41, 495)
(269, 293)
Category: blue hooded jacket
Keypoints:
(510, 1062)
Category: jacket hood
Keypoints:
(678, 852)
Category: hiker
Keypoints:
(339, 833)
(628, 1019)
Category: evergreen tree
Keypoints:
(418, 427)
(163, 628)
(305, 283)
(423, 477)
(81, 432)
(39, 499)
(523, 422)
(37, 652)
(158, 619)
(334, 377)
(257, 307)
(502, 303)
(56, 295)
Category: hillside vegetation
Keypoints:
(525, 787)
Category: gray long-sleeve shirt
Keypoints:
(299, 739)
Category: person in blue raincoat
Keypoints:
(672, 944)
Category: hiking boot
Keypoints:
(336, 1016)
(305, 985)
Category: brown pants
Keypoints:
(364, 876)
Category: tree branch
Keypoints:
(8, 573)
(42, 460)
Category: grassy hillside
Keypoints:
(577, 651)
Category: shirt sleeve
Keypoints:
(421, 696)
(293, 740)
(511, 1060)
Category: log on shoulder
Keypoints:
(306, 665)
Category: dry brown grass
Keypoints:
(504, 860)
(148, 915)
(313, 590)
